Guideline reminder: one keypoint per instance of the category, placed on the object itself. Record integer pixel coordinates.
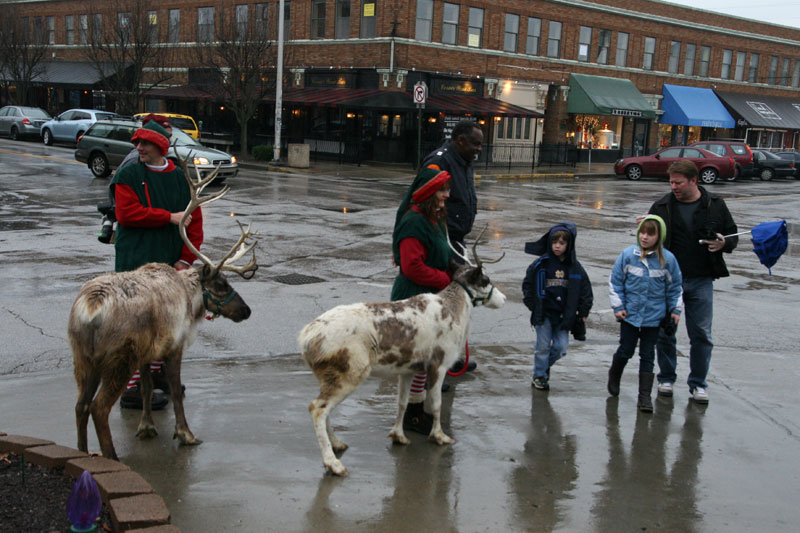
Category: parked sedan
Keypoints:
(70, 125)
(710, 166)
(792, 156)
(21, 121)
(107, 142)
(767, 165)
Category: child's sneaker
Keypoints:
(665, 389)
(700, 395)
(540, 383)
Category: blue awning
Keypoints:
(693, 106)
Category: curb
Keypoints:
(131, 501)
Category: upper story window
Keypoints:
(772, 74)
(424, 20)
(603, 46)
(752, 70)
(97, 27)
(205, 24)
(241, 22)
(368, 17)
(450, 23)
(785, 71)
(287, 20)
(554, 39)
(738, 74)
(342, 22)
(622, 49)
(317, 19)
(83, 29)
(50, 30)
(475, 30)
(727, 60)
(38, 30)
(174, 26)
(534, 36)
(584, 43)
(705, 59)
(512, 33)
(674, 57)
(124, 27)
(649, 53)
(69, 29)
(25, 24)
(688, 60)
(152, 26)
(796, 74)
(262, 20)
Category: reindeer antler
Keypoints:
(463, 254)
(475, 252)
(239, 249)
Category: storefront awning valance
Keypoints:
(761, 111)
(694, 106)
(600, 95)
(67, 74)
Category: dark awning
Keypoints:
(762, 111)
(70, 73)
(601, 95)
(182, 92)
(694, 106)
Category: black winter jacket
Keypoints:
(712, 216)
(579, 288)
(462, 206)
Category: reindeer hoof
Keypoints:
(147, 432)
(187, 439)
(399, 438)
(340, 447)
(336, 468)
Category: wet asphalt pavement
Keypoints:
(568, 460)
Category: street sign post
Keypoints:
(420, 96)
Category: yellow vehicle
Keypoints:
(184, 122)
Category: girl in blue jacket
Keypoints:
(645, 287)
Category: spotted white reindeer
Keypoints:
(423, 333)
(121, 322)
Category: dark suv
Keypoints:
(736, 150)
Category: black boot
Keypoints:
(417, 420)
(615, 374)
(645, 404)
(132, 399)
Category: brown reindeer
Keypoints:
(123, 321)
(424, 333)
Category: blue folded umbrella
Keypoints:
(770, 240)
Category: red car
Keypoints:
(738, 150)
(710, 166)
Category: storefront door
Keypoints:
(641, 129)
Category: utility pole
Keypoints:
(276, 149)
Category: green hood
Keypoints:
(662, 229)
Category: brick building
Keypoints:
(614, 76)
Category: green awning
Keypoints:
(600, 95)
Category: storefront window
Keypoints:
(602, 131)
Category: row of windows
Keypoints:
(739, 69)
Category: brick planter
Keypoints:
(133, 504)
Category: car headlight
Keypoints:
(200, 161)
(233, 159)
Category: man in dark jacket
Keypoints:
(696, 222)
(558, 293)
(456, 157)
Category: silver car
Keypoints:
(21, 121)
(70, 125)
(107, 142)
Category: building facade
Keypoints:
(616, 77)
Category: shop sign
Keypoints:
(329, 79)
(450, 122)
(711, 124)
(468, 88)
(764, 111)
(626, 113)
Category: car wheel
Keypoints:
(98, 164)
(708, 175)
(14, 134)
(737, 173)
(634, 172)
(766, 174)
(47, 137)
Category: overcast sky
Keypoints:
(784, 12)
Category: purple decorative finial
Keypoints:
(83, 505)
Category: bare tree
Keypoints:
(240, 49)
(122, 44)
(21, 53)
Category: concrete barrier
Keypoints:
(299, 156)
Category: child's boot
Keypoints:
(645, 404)
(615, 374)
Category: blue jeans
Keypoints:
(647, 337)
(551, 345)
(698, 300)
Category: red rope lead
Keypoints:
(466, 362)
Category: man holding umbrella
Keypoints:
(696, 223)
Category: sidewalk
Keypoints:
(374, 169)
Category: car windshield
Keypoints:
(180, 138)
(182, 123)
(35, 112)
